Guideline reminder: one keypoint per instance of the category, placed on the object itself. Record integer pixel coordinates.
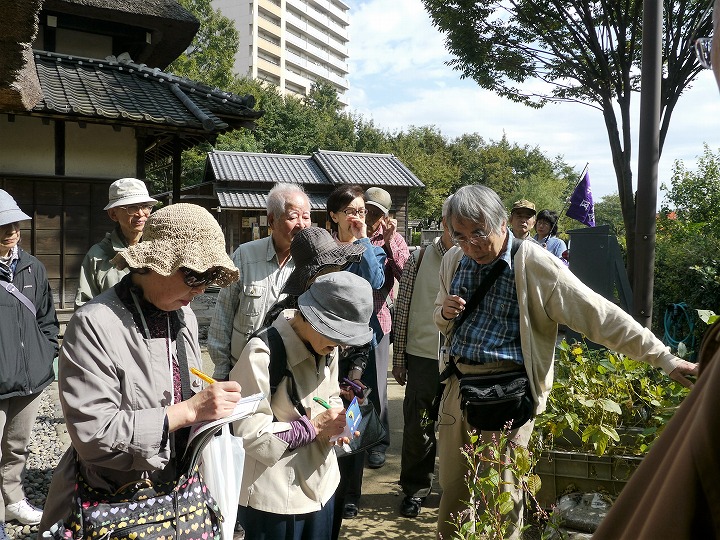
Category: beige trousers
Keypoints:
(453, 435)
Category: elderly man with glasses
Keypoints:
(512, 330)
(129, 206)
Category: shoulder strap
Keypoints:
(485, 285)
(278, 368)
(12, 289)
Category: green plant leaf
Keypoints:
(610, 406)
(610, 432)
(505, 503)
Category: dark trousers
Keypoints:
(259, 525)
(417, 465)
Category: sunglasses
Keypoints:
(195, 279)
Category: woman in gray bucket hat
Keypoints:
(28, 343)
(291, 471)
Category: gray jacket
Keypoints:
(97, 273)
(114, 386)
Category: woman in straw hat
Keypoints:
(291, 471)
(28, 343)
(124, 381)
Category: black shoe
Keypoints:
(376, 459)
(411, 506)
(350, 511)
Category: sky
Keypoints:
(398, 78)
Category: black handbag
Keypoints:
(490, 402)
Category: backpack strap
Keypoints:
(278, 368)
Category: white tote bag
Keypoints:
(221, 467)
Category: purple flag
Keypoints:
(581, 203)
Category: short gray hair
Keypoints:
(279, 196)
(479, 204)
(446, 205)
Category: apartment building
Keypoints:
(291, 43)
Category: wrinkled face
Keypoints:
(168, 293)
(9, 237)
(131, 218)
(543, 228)
(521, 221)
(345, 216)
(482, 251)
(295, 218)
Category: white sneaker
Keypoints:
(24, 512)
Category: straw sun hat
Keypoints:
(181, 235)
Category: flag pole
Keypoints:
(567, 200)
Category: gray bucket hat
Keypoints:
(128, 191)
(9, 210)
(339, 307)
(314, 250)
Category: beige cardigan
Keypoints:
(549, 294)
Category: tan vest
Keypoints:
(423, 337)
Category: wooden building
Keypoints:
(236, 185)
(83, 102)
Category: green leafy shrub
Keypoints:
(599, 394)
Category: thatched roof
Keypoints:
(19, 85)
(173, 27)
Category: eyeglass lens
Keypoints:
(136, 208)
(703, 47)
(355, 212)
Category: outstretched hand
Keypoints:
(682, 369)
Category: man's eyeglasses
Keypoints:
(354, 211)
(137, 208)
(195, 279)
(703, 48)
(475, 239)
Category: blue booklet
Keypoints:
(353, 417)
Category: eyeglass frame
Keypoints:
(144, 208)
(475, 239)
(195, 279)
(362, 212)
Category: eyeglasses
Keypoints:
(703, 48)
(137, 208)
(349, 211)
(475, 239)
(194, 279)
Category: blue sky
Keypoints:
(398, 78)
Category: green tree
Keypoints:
(578, 51)
(608, 212)
(695, 195)
(210, 57)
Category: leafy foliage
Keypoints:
(595, 391)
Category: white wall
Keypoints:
(99, 151)
(26, 146)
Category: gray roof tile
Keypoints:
(243, 199)
(365, 169)
(107, 89)
(266, 168)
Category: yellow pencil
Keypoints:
(207, 378)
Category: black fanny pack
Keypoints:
(489, 402)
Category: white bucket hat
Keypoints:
(9, 210)
(128, 191)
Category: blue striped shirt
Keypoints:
(491, 333)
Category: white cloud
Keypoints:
(398, 78)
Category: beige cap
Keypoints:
(524, 203)
(128, 191)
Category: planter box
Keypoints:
(587, 472)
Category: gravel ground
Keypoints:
(47, 444)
